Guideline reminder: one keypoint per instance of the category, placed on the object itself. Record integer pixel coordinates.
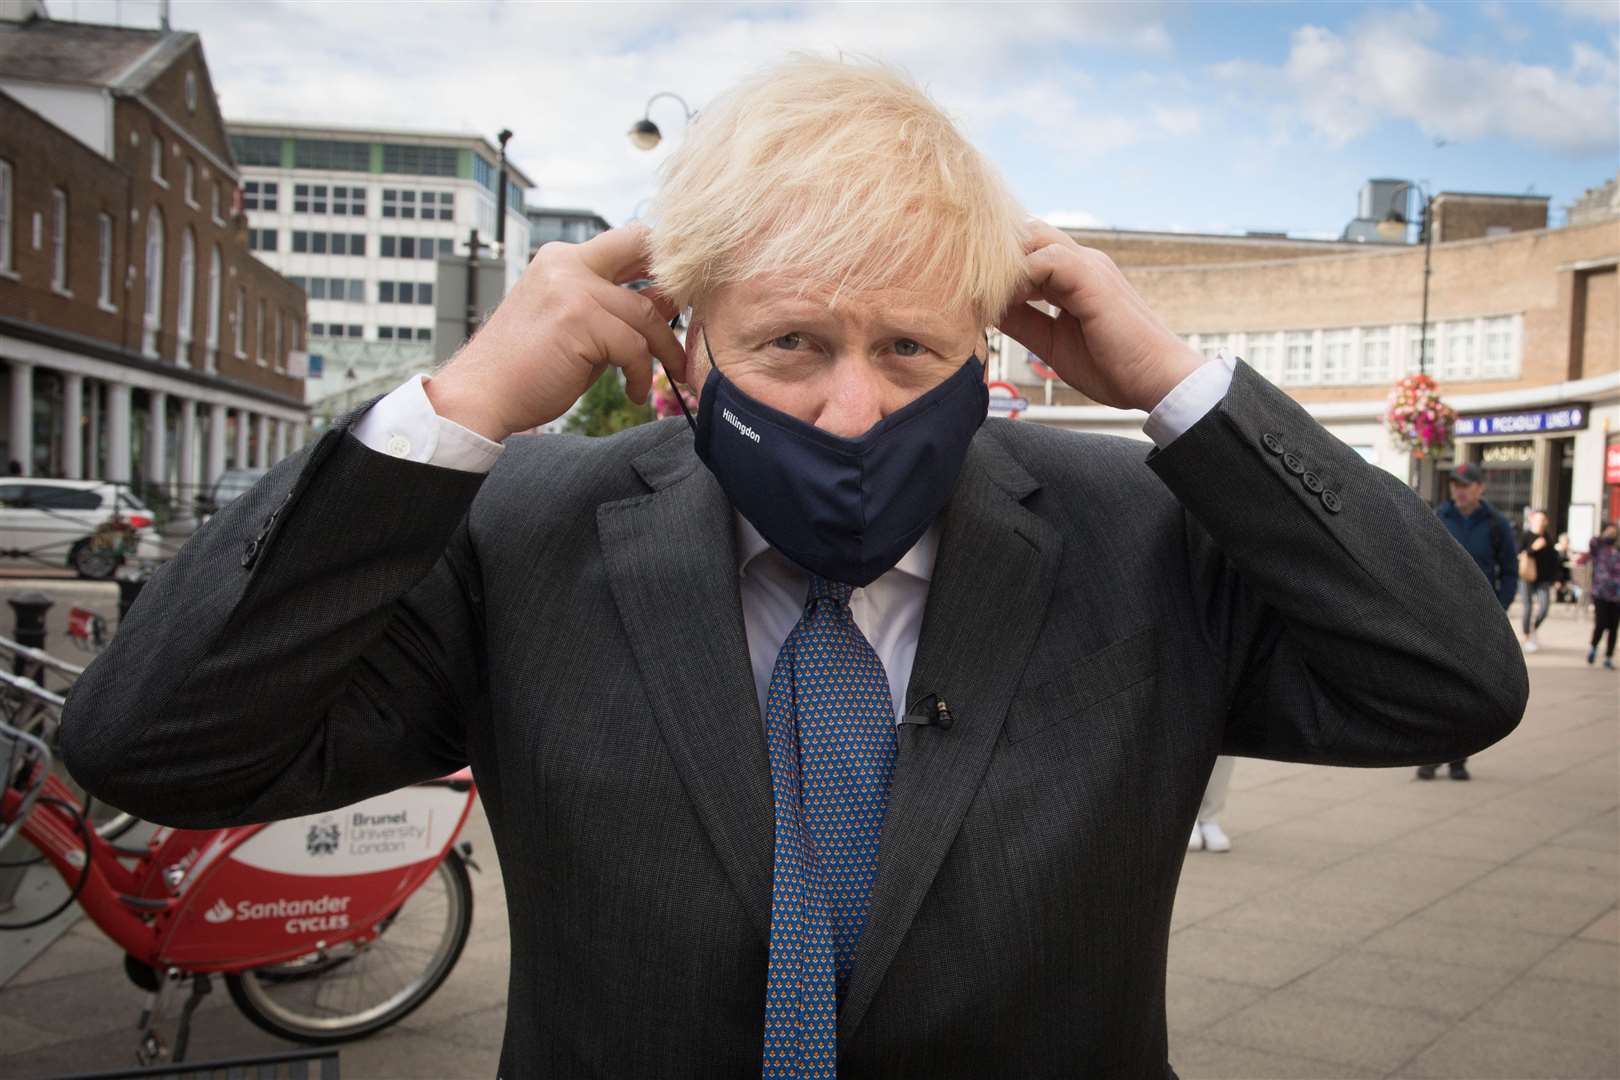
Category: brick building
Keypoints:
(144, 341)
(1523, 336)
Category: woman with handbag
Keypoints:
(1538, 570)
(1605, 559)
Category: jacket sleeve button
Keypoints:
(1272, 443)
(1312, 482)
(1330, 500)
(250, 553)
(1293, 464)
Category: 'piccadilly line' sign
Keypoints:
(1567, 418)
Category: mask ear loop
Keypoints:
(680, 398)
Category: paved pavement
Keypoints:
(1366, 925)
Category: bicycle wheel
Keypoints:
(351, 991)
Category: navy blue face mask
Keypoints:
(844, 509)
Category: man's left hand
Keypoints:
(1105, 341)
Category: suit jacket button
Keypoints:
(1272, 443)
(1312, 482)
(1293, 464)
(1330, 500)
(250, 553)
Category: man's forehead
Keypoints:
(787, 295)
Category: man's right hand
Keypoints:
(566, 320)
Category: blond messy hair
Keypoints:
(841, 174)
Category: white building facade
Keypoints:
(358, 218)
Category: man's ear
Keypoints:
(697, 360)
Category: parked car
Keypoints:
(92, 526)
(231, 484)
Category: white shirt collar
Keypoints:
(918, 562)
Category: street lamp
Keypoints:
(1426, 231)
(500, 196)
(644, 134)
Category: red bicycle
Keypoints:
(326, 928)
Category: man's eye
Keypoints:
(907, 347)
(788, 342)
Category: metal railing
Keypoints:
(310, 1065)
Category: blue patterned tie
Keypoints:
(830, 724)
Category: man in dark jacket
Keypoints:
(1486, 535)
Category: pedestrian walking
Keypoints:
(1486, 535)
(1207, 834)
(1538, 572)
(1605, 558)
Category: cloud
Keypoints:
(570, 78)
(1341, 86)
(1073, 219)
(1178, 121)
(1596, 10)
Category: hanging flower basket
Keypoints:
(1418, 420)
(663, 395)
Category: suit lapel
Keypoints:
(991, 583)
(672, 567)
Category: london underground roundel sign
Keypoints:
(1005, 400)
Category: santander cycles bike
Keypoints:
(325, 928)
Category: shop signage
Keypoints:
(1513, 453)
(1005, 400)
(1541, 421)
(1611, 464)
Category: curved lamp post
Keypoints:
(644, 134)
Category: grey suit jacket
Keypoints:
(1101, 626)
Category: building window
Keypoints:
(5, 216)
(104, 261)
(349, 201)
(240, 333)
(191, 91)
(277, 357)
(1299, 359)
(1375, 355)
(483, 172)
(256, 150)
(157, 161)
(191, 183)
(259, 194)
(1500, 360)
(1265, 354)
(188, 293)
(309, 198)
(438, 204)
(215, 269)
(340, 154)
(1337, 347)
(59, 240)
(419, 160)
(152, 317)
(1458, 359)
(1421, 360)
(262, 239)
(1212, 345)
(258, 336)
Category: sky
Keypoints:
(1211, 117)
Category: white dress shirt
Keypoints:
(889, 611)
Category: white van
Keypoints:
(51, 522)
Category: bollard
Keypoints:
(128, 590)
(29, 610)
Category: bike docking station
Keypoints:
(325, 928)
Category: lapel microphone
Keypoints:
(930, 710)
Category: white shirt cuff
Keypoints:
(404, 425)
(1192, 397)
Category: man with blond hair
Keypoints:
(834, 730)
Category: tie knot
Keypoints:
(835, 591)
